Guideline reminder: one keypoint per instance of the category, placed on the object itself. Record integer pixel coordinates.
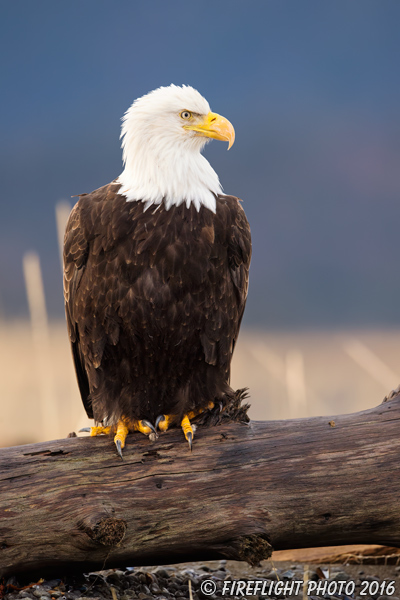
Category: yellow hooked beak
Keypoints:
(214, 126)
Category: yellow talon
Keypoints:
(194, 413)
(125, 426)
(122, 432)
(143, 426)
(187, 430)
(99, 431)
(186, 426)
(164, 421)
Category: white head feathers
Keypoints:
(163, 161)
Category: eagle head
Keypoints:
(163, 134)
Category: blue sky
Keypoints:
(313, 91)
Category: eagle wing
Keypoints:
(76, 250)
(238, 256)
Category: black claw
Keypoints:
(150, 425)
(159, 419)
(119, 448)
(189, 438)
(85, 430)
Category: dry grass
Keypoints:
(289, 375)
(21, 385)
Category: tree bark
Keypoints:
(72, 504)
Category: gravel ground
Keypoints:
(275, 580)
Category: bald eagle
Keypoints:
(156, 270)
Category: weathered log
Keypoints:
(72, 504)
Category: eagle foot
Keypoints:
(95, 430)
(143, 426)
(195, 413)
(187, 430)
(120, 436)
(125, 426)
(163, 422)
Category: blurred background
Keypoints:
(313, 91)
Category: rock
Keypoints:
(341, 576)
(160, 572)
(50, 584)
(288, 574)
(220, 574)
(145, 590)
(115, 576)
(273, 576)
(173, 586)
(39, 591)
(189, 573)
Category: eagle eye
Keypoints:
(185, 114)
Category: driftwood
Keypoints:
(72, 504)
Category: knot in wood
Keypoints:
(253, 549)
(108, 531)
